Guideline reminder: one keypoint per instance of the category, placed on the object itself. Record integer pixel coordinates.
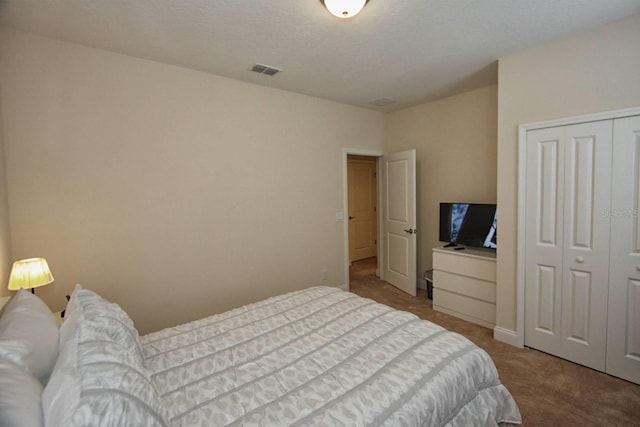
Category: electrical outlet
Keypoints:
(324, 274)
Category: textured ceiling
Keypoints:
(411, 51)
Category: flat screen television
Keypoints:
(469, 224)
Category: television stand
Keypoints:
(464, 284)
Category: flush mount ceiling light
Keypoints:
(344, 8)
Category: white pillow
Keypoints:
(29, 334)
(17, 352)
(109, 318)
(20, 396)
(100, 378)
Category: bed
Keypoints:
(318, 356)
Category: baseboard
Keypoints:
(506, 336)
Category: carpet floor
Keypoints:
(549, 391)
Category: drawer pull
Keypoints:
(579, 260)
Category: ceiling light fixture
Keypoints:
(344, 8)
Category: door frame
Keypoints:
(345, 202)
(370, 163)
(516, 337)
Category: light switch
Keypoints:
(339, 216)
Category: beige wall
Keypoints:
(455, 141)
(172, 192)
(593, 72)
(5, 232)
(178, 194)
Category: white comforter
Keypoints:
(326, 357)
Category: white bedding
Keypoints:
(322, 356)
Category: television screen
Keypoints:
(469, 224)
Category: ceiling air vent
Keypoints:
(265, 69)
(381, 102)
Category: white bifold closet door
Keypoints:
(568, 187)
(623, 338)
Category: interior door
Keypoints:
(361, 181)
(623, 336)
(399, 220)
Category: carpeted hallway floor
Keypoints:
(549, 391)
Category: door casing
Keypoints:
(381, 207)
(363, 224)
(345, 191)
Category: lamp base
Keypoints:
(62, 312)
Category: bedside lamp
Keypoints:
(30, 273)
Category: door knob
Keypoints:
(579, 260)
(351, 217)
(410, 230)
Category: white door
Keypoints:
(399, 220)
(361, 177)
(585, 276)
(623, 344)
(544, 239)
(567, 239)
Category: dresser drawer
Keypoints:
(479, 268)
(480, 312)
(469, 286)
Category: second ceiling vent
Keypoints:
(265, 69)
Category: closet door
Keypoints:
(544, 234)
(567, 241)
(623, 345)
(585, 270)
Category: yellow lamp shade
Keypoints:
(29, 273)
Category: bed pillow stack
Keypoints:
(100, 378)
(28, 352)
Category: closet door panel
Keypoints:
(546, 289)
(580, 288)
(585, 277)
(623, 333)
(543, 269)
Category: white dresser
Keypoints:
(464, 284)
